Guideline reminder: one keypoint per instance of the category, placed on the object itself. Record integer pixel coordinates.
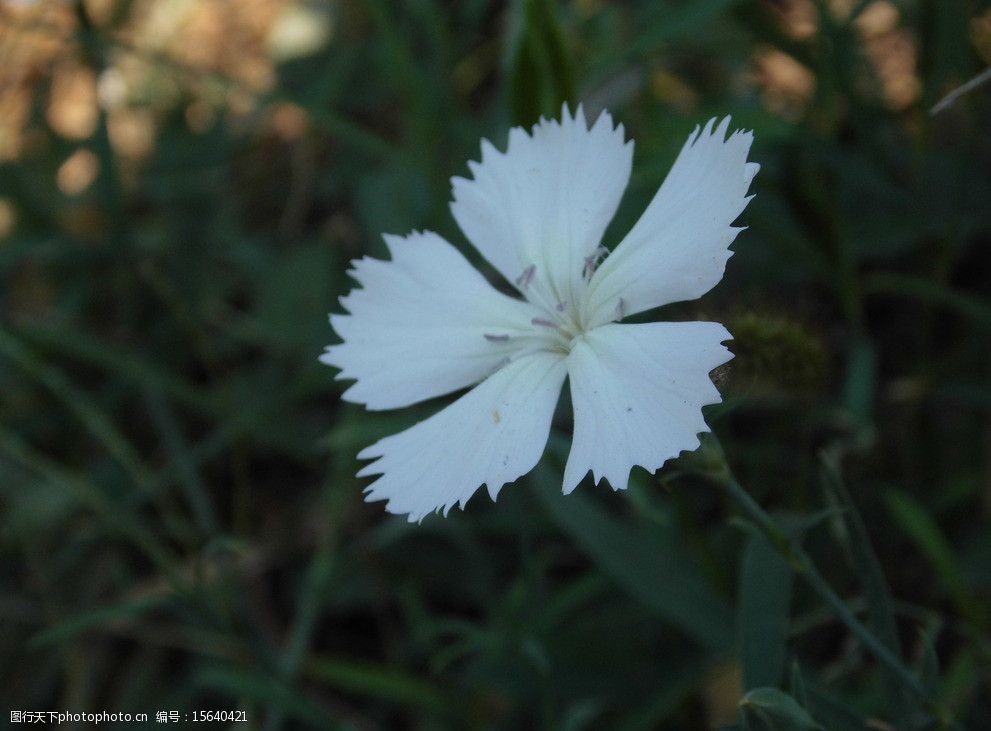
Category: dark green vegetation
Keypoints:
(181, 528)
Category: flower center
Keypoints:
(557, 332)
(561, 320)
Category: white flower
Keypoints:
(427, 323)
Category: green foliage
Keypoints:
(539, 73)
(180, 525)
(662, 577)
(764, 604)
(769, 709)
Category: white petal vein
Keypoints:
(638, 393)
(424, 324)
(491, 435)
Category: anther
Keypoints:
(593, 260)
(543, 323)
(527, 276)
(496, 338)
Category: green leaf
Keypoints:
(73, 626)
(765, 600)
(540, 77)
(665, 700)
(123, 364)
(194, 487)
(301, 281)
(769, 709)
(974, 309)
(377, 682)
(801, 524)
(962, 677)
(581, 715)
(678, 22)
(652, 565)
(834, 714)
(80, 404)
(796, 684)
(116, 518)
(804, 565)
(861, 382)
(868, 569)
(265, 689)
(933, 544)
(930, 660)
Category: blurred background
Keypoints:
(182, 185)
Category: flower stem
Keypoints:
(803, 566)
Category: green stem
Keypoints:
(803, 565)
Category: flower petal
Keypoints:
(678, 249)
(638, 392)
(545, 202)
(425, 324)
(492, 435)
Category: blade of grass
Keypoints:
(262, 688)
(881, 606)
(422, 98)
(861, 381)
(377, 682)
(75, 625)
(78, 403)
(195, 490)
(875, 585)
(932, 543)
(663, 577)
(120, 362)
(769, 709)
(802, 564)
(115, 518)
(98, 424)
(950, 99)
(973, 308)
(762, 616)
(539, 68)
(666, 700)
(679, 23)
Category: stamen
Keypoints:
(496, 338)
(527, 276)
(620, 309)
(593, 260)
(543, 323)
